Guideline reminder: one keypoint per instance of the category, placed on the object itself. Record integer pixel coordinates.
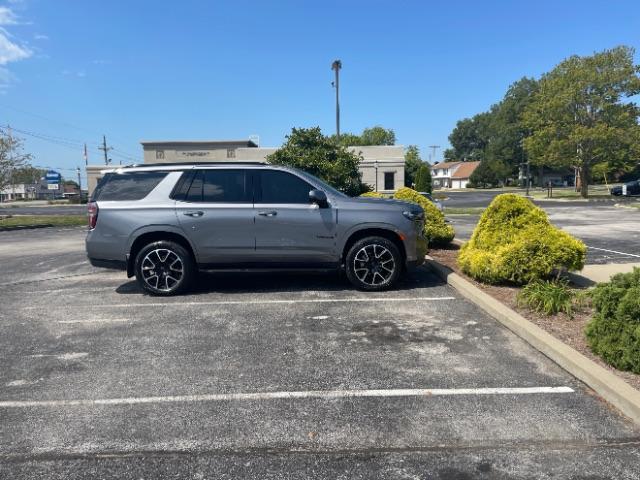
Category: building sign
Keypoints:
(52, 186)
(193, 153)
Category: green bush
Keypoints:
(437, 231)
(372, 195)
(614, 331)
(514, 242)
(550, 297)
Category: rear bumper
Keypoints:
(111, 264)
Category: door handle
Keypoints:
(194, 214)
(271, 213)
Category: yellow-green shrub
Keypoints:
(437, 231)
(515, 242)
(372, 194)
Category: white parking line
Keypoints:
(613, 251)
(288, 302)
(328, 394)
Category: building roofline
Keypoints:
(246, 143)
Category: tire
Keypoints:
(373, 264)
(162, 260)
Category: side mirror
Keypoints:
(319, 198)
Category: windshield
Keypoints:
(323, 185)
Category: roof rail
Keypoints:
(187, 164)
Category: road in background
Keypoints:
(612, 234)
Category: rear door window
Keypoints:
(127, 185)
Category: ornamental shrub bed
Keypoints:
(515, 242)
(437, 231)
(614, 331)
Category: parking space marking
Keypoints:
(327, 394)
(276, 302)
(613, 251)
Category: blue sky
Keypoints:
(224, 70)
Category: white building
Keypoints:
(452, 174)
(382, 166)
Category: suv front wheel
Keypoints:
(164, 268)
(373, 264)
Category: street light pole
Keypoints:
(337, 65)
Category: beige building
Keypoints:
(382, 166)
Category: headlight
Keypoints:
(413, 216)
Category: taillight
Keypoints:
(92, 209)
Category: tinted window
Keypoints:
(127, 186)
(282, 187)
(219, 186)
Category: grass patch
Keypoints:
(463, 210)
(550, 297)
(16, 221)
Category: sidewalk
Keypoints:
(592, 274)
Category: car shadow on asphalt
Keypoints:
(283, 282)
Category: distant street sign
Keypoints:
(52, 186)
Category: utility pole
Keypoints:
(337, 65)
(105, 149)
(79, 186)
(434, 148)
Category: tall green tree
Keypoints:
(370, 136)
(309, 150)
(412, 162)
(469, 138)
(579, 116)
(505, 146)
(423, 181)
(12, 157)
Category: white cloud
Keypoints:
(10, 51)
(7, 17)
(40, 36)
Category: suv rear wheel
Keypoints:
(164, 268)
(373, 264)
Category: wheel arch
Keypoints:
(144, 238)
(374, 231)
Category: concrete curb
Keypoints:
(606, 384)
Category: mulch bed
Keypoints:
(568, 330)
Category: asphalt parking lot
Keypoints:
(612, 234)
(277, 376)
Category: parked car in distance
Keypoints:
(165, 222)
(429, 197)
(633, 188)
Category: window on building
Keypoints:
(219, 186)
(231, 153)
(282, 187)
(159, 154)
(389, 180)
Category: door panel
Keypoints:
(216, 212)
(289, 229)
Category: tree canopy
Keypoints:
(412, 162)
(370, 136)
(309, 150)
(579, 116)
(12, 158)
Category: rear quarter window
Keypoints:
(127, 185)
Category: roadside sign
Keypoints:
(52, 186)
(53, 177)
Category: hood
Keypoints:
(390, 203)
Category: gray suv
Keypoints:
(164, 223)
